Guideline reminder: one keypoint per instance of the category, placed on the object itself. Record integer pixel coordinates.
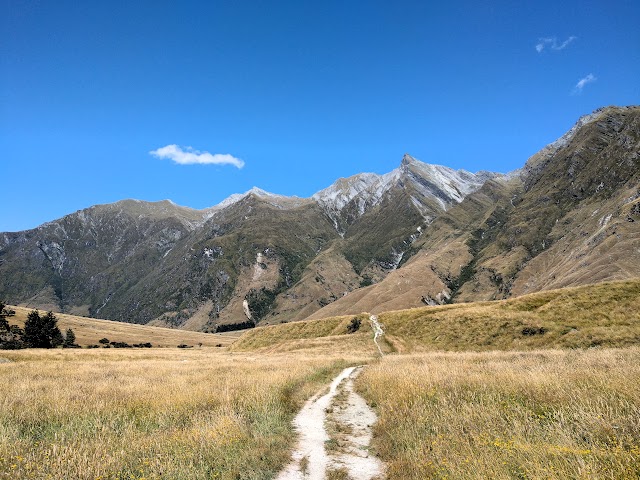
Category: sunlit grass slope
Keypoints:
(551, 414)
(606, 314)
(164, 413)
(89, 331)
(331, 333)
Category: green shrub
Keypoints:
(354, 326)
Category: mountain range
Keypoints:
(420, 234)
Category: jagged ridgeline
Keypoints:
(419, 234)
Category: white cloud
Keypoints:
(584, 81)
(189, 156)
(552, 43)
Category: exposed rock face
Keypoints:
(431, 188)
(419, 234)
(234, 263)
(568, 218)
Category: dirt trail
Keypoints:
(349, 420)
(377, 331)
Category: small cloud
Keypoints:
(189, 156)
(552, 43)
(584, 81)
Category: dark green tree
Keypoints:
(10, 335)
(4, 313)
(69, 339)
(41, 331)
(354, 326)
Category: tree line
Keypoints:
(40, 331)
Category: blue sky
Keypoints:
(288, 95)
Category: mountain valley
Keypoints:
(419, 235)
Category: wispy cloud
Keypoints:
(584, 81)
(189, 156)
(552, 43)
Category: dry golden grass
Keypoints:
(544, 414)
(606, 314)
(208, 413)
(317, 335)
(89, 330)
(166, 413)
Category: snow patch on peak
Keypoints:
(279, 201)
(344, 190)
(432, 188)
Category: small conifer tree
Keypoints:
(69, 339)
(4, 313)
(42, 331)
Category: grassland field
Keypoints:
(89, 331)
(464, 391)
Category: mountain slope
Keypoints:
(570, 218)
(420, 234)
(230, 265)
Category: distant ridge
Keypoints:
(421, 234)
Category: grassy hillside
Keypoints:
(606, 314)
(89, 330)
(330, 334)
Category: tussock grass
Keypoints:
(89, 331)
(606, 314)
(305, 335)
(543, 414)
(123, 414)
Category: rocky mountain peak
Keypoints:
(537, 161)
(407, 160)
(279, 201)
(284, 256)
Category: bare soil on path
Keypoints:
(342, 448)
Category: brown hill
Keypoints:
(605, 314)
(89, 331)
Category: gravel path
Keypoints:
(377, 331)
(349, 419)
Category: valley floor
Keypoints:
(207, 413)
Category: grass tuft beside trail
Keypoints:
(501, 415)
(114, 414)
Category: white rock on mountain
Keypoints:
(430, 186)
(279, 201)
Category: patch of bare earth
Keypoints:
(335, 433)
